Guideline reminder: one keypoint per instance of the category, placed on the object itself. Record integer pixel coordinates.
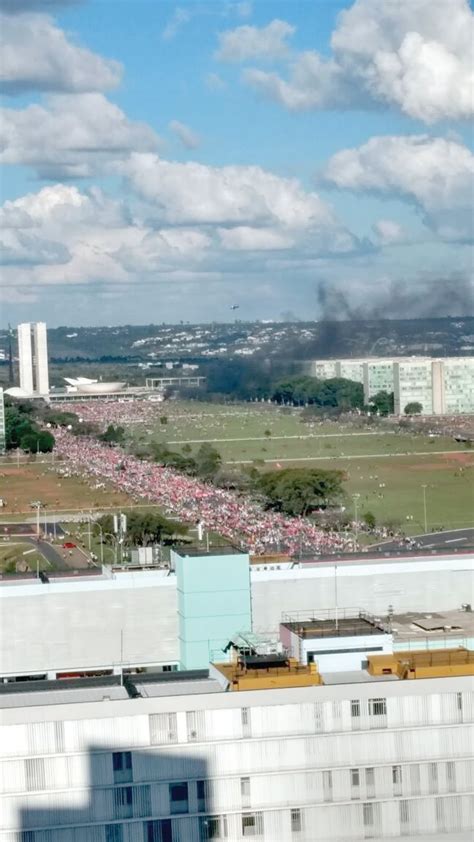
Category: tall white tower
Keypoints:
(33, 354)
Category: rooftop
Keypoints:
(439, 625)
(185, 552)
(331, 627)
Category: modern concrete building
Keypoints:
(269, 750)
(441, 386)
(162, 620)
(2, 422)
(33, 358)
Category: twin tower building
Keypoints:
(33, 358)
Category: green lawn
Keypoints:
(12, 552)
(400, 462)
(393, 489)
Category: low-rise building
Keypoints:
(269, 750)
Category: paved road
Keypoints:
(449, 540)
(28, 527)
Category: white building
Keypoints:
(100, 622)
(442, 386)
(33, 358)
(190, 758)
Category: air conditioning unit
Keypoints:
(172, 737)
(193, 735)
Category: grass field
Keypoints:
(386, 468)
(19, 486)
(12, 553)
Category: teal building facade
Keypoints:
(213, 601)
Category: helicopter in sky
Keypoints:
(234, 306)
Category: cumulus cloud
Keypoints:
(434, 173)
(18, 247)
(388, 232)
(177, 20)
(214, 82)
(186, 222)
(72, 136)
(415, 55)
(253, 42)
(185, 134)
(37, 56)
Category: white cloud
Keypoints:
(388, 232)
(186, 135)
(434, 173)
(19, 247)
(73, 136)
(214, 82)
(193, 193)
(245, 238)
(177, 20)
(252, 42)
(412, 54)
(37, 56)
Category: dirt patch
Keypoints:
(19, 486)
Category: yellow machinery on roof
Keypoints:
(431, 663)
(287, 674)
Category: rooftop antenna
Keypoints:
(10, 355)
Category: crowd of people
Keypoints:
(238, 518)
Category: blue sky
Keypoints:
(163, 160)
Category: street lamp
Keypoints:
(355, 498)
(424, 487)
(37, 504)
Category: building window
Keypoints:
(213, 827)
(35, 774)
(377, 707)
(451, 776)
(159, 830)
(397, 780)
(113, 833)
(122, 766)
(459, 701)
(123, 802)
(245, 720)
(245, 791)
(355, 707)
(404, 813)
(368, 819)
(163, 728)
(178, 798)
(355, 781)
(370, 782)
(433, 777)
(252, 824)
(195, 725)
(327, 785)
(201, 796)
(296, 821)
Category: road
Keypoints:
(449, 540)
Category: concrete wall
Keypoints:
(67, 626)
(213, 603)
(415, 585)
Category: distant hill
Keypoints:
(292, 340)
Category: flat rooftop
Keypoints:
(438, 625)
(345, 627)
(185, 552)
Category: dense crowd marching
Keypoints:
(238, 518)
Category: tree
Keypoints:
(37, 441)
(163, 420)
(413, 408)
(382, 403)
(113, 435)
(208, 461)
(335, 392)
(143, 528)
(297, 491)
(369, 520)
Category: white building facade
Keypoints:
(371, 760)
(33, 358)
(132, 619)
(2, 422)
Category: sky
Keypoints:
(165, 161)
